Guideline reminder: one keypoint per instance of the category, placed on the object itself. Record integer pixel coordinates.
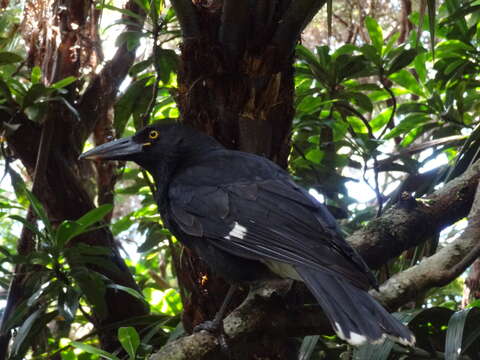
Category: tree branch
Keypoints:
(296, 17)
(102, 91)
(400, 229)
(439, 269)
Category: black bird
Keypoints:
(249, 221)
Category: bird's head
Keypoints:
(153, 144)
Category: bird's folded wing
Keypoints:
(269, 219)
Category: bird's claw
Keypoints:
(210, 326)
(215, 329)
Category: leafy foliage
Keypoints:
(378, 112)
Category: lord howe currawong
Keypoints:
(248, 220)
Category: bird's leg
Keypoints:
(216, 325)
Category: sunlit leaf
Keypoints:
(375, 33)
(93, 350)
(129, 339)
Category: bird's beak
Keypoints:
(121, 149)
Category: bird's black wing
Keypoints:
(249, 207)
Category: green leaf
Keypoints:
(420, 66)
(66, 231)
(69, 229)
(36, 75)
(64, 82)
(403, 59)
(25, 330)
(93, 350)
(140, 66)
(93, 286)
(371, 54)
(33, 228)
(125, 105)
(453, 48)
(381, 119)
(315, 156)
(128, 290)
(129, 339)
(375, 33)
(95, 215)
(308, 346)
(68, 302)
(9, 58)
(408, 123)
(16, 317)
(407, 80)
(123, 11)
(166, 63)
(39, 211)
(34, 93)
(455, 344)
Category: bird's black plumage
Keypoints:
(249, 221)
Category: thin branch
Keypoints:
(297, 16)
(399, 229)
(439, 269)
(105, 85)
(394, 104)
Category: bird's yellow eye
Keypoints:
(153, 134)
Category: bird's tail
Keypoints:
(355, 316)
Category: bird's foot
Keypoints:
(212, 327)
(215, 328)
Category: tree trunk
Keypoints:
(235, 83)
(54, 37)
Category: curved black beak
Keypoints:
(121, 149)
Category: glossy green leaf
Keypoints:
(95, 215)
(379, 121)
(407, 124)
(128, 290)
(167, 63)
(36, 75)
(307, 347)
(125, 105)
(64, 82)
(375, 33)
(315, 155)
(403, 59)
(93, 350)
(24, 330)
(93, 286)
(407, 80)
(9, 58)
(129, 339)
(455, 344)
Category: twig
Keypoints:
(394, 104)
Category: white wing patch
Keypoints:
(238, 231)
(353, 338)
